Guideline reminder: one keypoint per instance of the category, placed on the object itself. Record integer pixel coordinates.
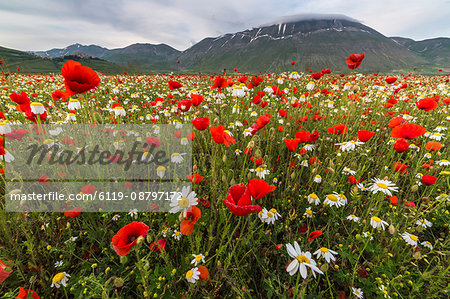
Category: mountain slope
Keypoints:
(312, 44)
(436, 50)
(29, 63)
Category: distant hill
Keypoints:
(30, 63)
(436, 50)
(137, 57)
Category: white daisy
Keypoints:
(197, 259)
(427, 244)
(377, 222)
(349, 145)
(193, 275)
(308, 212)
(317, 179)
(410, 239)
(183, 201)
(260, 172)
(424, 223)
(348, 171)
(60, 279)
(313, 198)
(353, 218)
(358, 293)
(301, 261)
(384, 186)
(270, 216)
(443, 163)
(326, 253)
(335, 199)
(176, 235)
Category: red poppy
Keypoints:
(278, 247)
(257, 161)
(195, 179)
(59, 94)
(153, 141)
(428, 180)
(126, 238)
(314, 235)
(220, 136)
(259, 188)
(187, 226)
(27, 294)
(5, 271)
(393, 200)
(159, 246)
(303, 136)
(364, 135)
(196, 99)
(396, 121)
(391, 80)
(204, 273)
(220, 83)
(316, 76)
(408, 131)
(293, 63)
(292, 144)
(433, 146)
(256, 81)
(354, 60)
(73, 213)
(78, 78)
(20, 99)
(88, 189)
(426, 104)
(326, 71)
(262, 121)
(239, 201)
(184, 105)
(338, 129)
(401, 145)
(174, 85)
(353, 180)
(201, 123)
(44, 180)
(400, 167)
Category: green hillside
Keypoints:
(29, 63)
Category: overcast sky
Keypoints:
(46, 24)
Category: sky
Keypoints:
(46, 24)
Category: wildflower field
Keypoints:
(303, 185)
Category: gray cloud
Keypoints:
(44, 24)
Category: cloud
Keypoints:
(44, 24)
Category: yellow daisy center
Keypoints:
(198, 258)
(414, 238)
(382, 185)
(175, 154)
(189, 274)
(269, 214)
(332, 197)
(259, 169)
(309, 212)
(323, 249)
(313, 196)
(302, 259)
(58, 277)
(273, 211)
(376, 219)
(184, 202)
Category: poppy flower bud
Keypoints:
(258, 153)
(324, 268)
(293, 175)
(414, 188)
(419, 229)
(216, 120)
(180, 217)
(139, 240)
(391, 229)
(224, 158)
(223, 106)
(123, 259)
(194, 168)
(118, 282)
(232, 182)
(224, 179)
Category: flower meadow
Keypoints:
(304, 184)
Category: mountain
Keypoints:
(436, 50)
(137, 57)
(311, 43)
(30, 63)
